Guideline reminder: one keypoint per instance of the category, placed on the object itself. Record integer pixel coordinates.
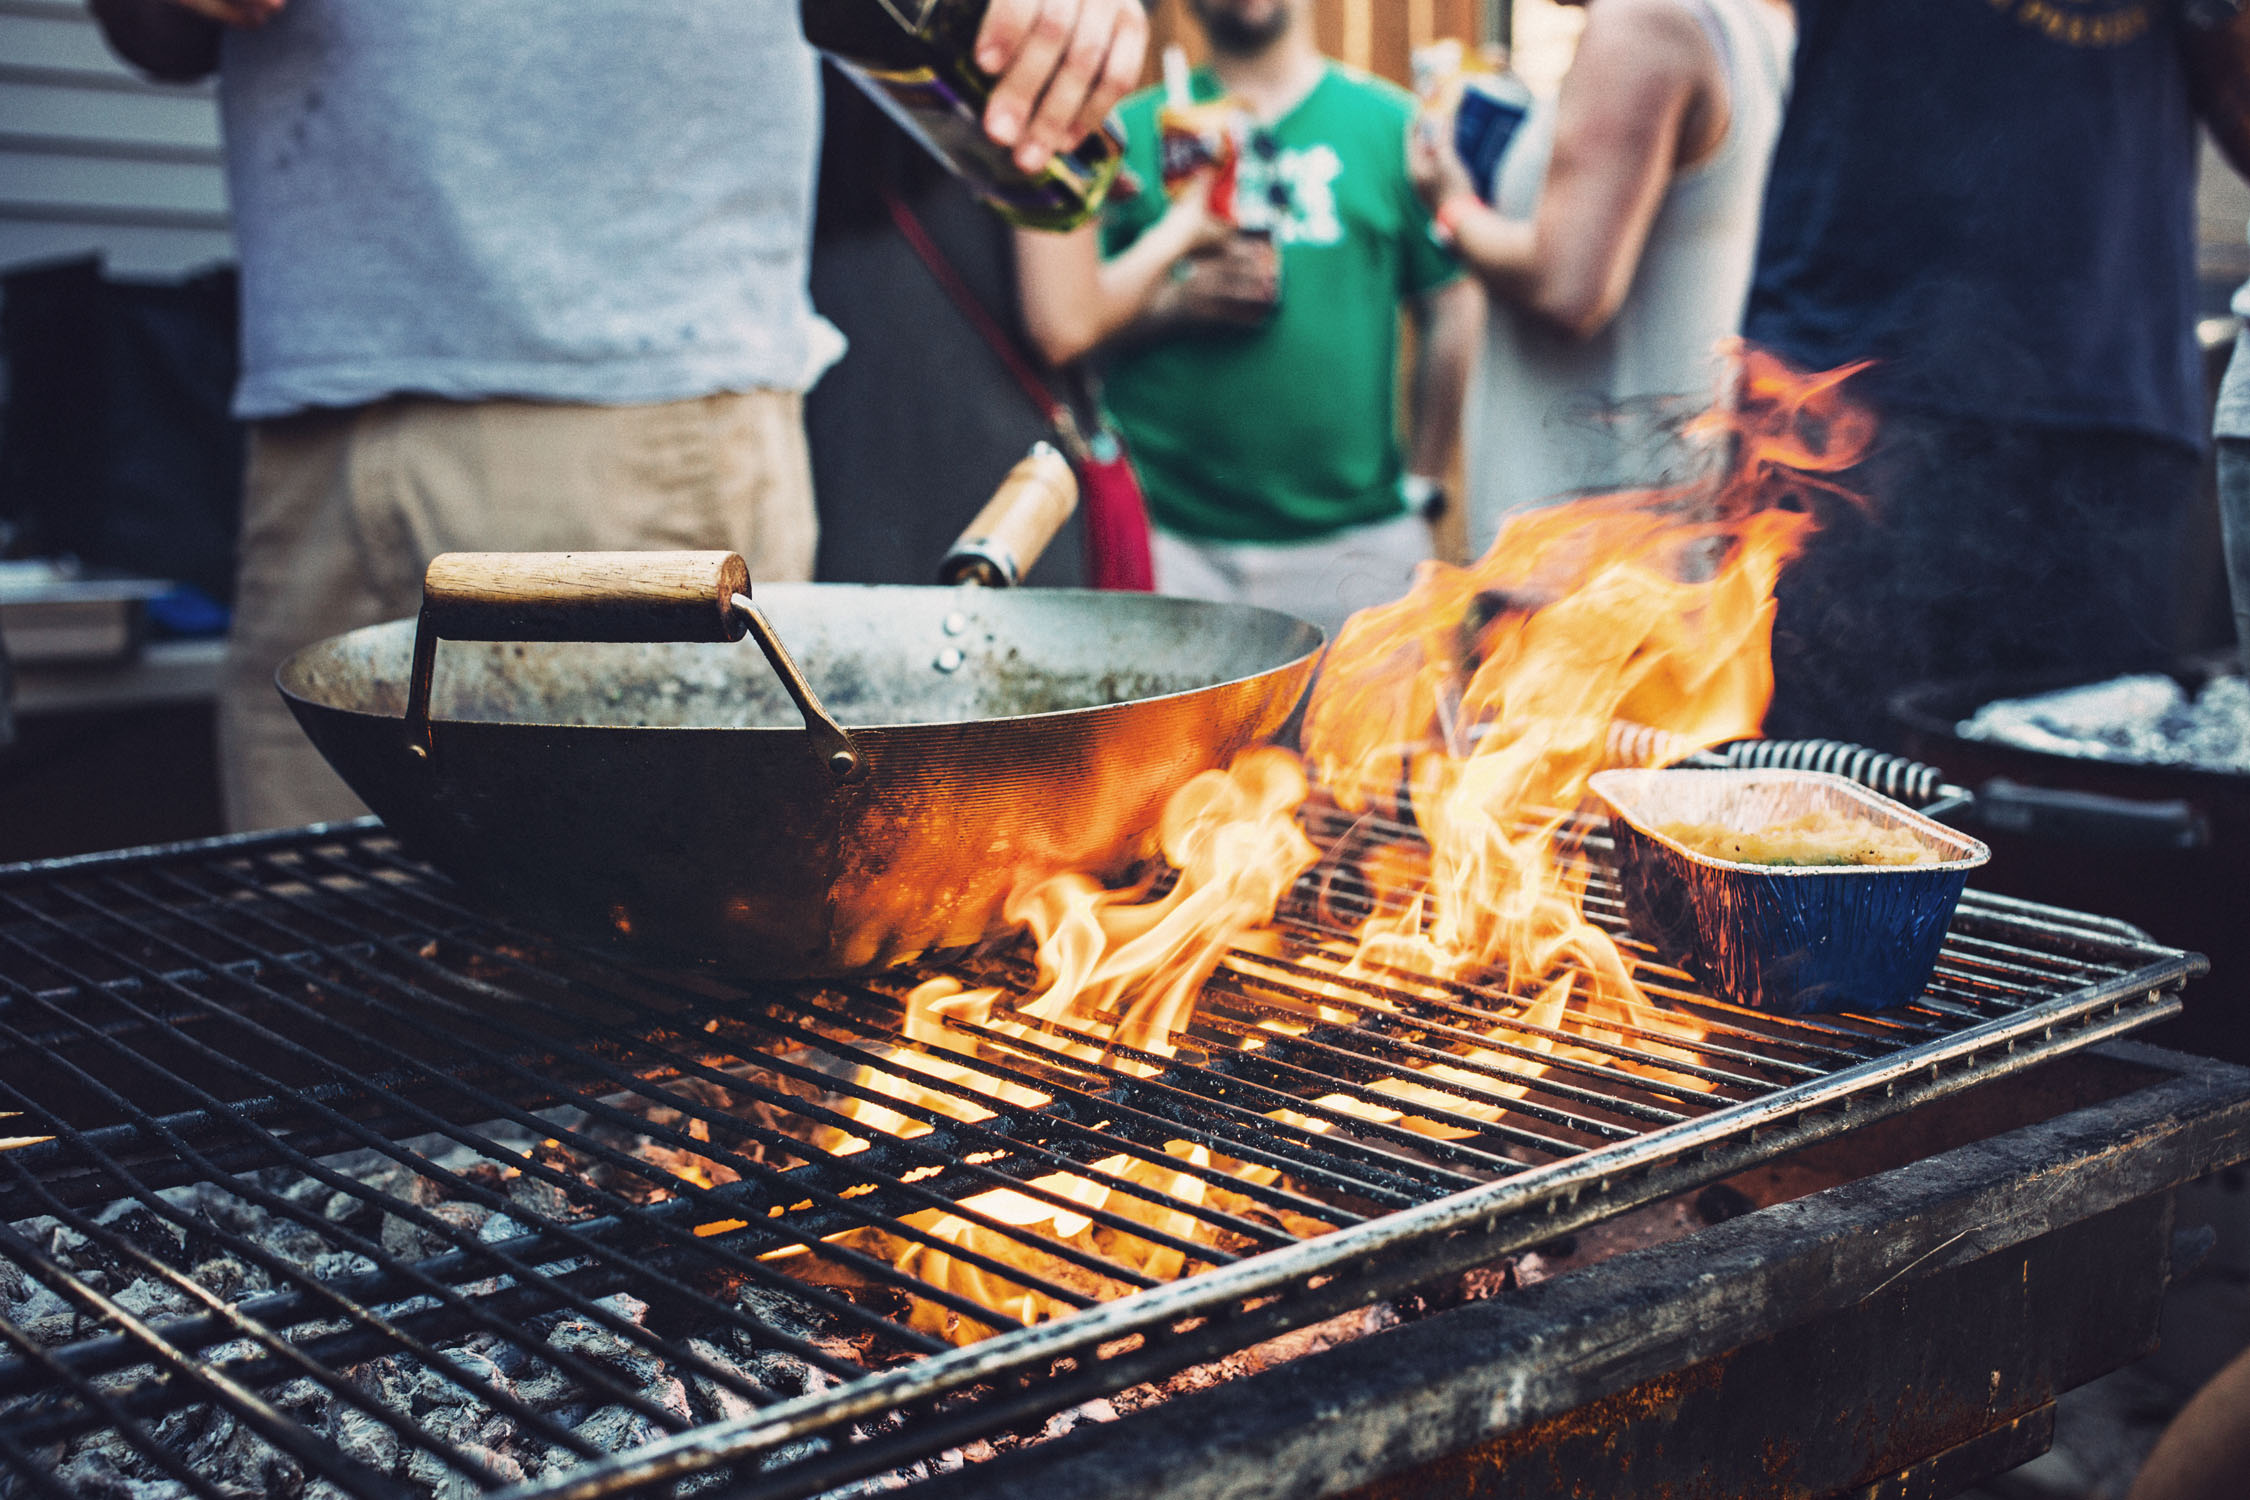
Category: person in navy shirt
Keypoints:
(1993, 200)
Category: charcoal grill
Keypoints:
(308, 1149)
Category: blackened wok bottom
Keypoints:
(663, 800)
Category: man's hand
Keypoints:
(233, 12)
(1234, 284)
(1061, 64)
(1189, 224)
(176, 40)
(1436, 168)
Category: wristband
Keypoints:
(1447, 219)
(1424, 496)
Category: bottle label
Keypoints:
(912, 14)
(927, 108)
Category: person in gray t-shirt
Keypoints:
(516, 278)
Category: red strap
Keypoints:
(910, 227)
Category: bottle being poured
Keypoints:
(918, 60)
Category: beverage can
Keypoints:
(1492, 107)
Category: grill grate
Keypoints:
(326, 1180)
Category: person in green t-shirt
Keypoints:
(1252, 365)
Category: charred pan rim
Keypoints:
(1896, 812)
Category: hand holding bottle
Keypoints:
(1435, 167)
(1061, 65)
(1235, 283)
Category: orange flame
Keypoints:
(1491, 692)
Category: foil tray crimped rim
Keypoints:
(1624, 793)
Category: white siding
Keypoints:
(94, 158)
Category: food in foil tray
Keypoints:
(1828, 928)
(1824, 837)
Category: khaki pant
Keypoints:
(342, 511)
(1324, 581)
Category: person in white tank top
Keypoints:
(1617, 248)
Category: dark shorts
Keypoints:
(1983, 548)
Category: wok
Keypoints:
(2164, 847)
(592, 750)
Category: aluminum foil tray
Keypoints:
(1783, 938)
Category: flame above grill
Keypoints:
(1490, 693)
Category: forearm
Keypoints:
(160, 38)
(1134, 283)
(1074, 302)
(1443, 355)
(1517, 264)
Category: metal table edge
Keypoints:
(1480, 1369)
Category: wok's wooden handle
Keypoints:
(1016, 524)
(585, 596)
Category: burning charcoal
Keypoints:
(229, 1277)
(95, 1476)
(365, 1440)
(501, 1227)
(144, 1229)
(338, 1265)
(405, 1241)
(1067, 1419)
(350, 1211)
(778, 1370)
(715, 1402)
(791, 1453)
(786, 1316)
(503, 1467)
(442, 1480)
(542, 1199)
(42, 1313)
(476, 1367)
(592, 1341)
(394, 1180)
(508, 1358)
(147, 1297)
(542, 1387)
(618, 1429)
(671, 1393)
(466, 1425)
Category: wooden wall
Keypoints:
(1373, 34)
(94, 158)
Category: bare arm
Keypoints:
(1447, 321)
(1639, 103)
(1073, 302)
(2218, 65)
(175, 40)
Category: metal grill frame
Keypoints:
(1169, 1327)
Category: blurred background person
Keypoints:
(1251, 359)
(515, 285)
(1615, 247)
(1995, 204)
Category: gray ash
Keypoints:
(464, 1395)
(2148, 719)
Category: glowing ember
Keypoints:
(1491, 693)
